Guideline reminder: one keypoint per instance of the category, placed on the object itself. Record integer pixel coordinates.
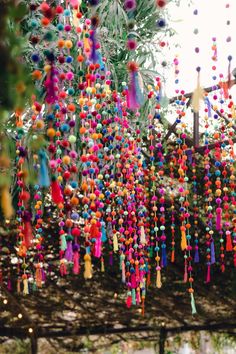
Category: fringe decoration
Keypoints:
(194, 311)
(6, 202)
(172, 259)
(185, 273)
(93, 52)
(87, 266)
(18, 286)
(44, 180)
(104, 235)
(102, 266)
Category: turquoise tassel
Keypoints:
(133, 293)
(63, 243)
(44, 180)
(194, 311)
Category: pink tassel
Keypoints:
(138, 298)
(56, 193)
(235, 260)
(98, 247)
(76, 268)
(218, 219)
(133, 281)
(208, 279)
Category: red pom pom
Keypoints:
(161, 3)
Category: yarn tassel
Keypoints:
(208, 278)
(93, 51)
(194, 311)
(44, 180)
(129, 300)
(138, 298)
(133, 294)
(133, 281)
(198, 95)
(185, 273)
(104, 236)
(56, 193)
(142, 236)
(18, 286)
(25, 285)
(115, 243)
(102, 265)
(148, 278)
(63, 270)
(196, 256)
(76, 267)
(69, 252)
(183, 240)
(158, 278)
(213, 258)
(28, 234)
(163, 258)
(172, 258)
(137, 274)
(9, 286)
(123, 271)
(87, 266)
(49, 85)
(229, 246)
(63, 244)
(38, 276)
(6, 203)
(98, 247)
(134, 94)
(218, 219)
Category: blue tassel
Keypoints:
(100, 61)
(163, 258)
(44, 180)
(104, 236)
(213, 258)
(196, 256)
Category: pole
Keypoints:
(162, 339)
(196, 129)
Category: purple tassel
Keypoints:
(69, 252)
(213, 259)
(132, 93)
(43, 275)
(93, 53)
(196, 255)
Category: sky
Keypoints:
(214, 18)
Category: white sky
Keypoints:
(211, 21)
